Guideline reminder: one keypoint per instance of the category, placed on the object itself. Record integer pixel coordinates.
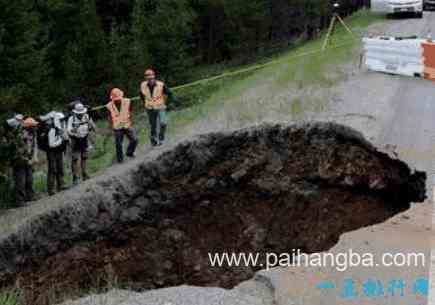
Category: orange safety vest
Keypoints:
(120, 118)
(155, 100)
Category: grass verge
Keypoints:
(10, 297)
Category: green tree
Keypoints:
(120, 55)
(129, 50)
(168, 33)
(246, 26)
(21, 63)
(87, 65)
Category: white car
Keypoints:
(429, 4)
(398, 6)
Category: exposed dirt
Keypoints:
(263, 189)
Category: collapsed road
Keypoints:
(269, 188)
(391, 111)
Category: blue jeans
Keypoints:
(119, 140)
(158, 120)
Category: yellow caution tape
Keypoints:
(244, 70)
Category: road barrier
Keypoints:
(402, 56)
(394, 55)
(429, 60)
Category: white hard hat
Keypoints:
(79, 108)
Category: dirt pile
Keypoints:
(264, 189)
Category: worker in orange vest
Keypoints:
(120, 110)
(155, 94)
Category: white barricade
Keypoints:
(394, 56)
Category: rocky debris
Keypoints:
(257, 291)
(269, 188)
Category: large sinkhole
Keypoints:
(269, 188)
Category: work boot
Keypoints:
(62, 188)
(61, 185)
(154, 142)
(33, 197)
(162, 132)
(76, 180)
(162, 135)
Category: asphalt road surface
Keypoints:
(396, 112)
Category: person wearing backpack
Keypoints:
(57, 140)
(80, 124)
(23, 153)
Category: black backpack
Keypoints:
(42, 137)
